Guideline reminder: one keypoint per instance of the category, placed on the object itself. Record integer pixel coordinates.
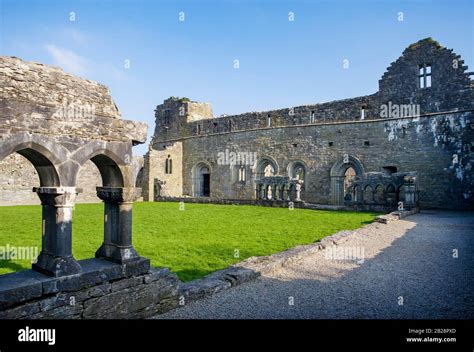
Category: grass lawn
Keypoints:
(192, 243)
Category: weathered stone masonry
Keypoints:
(405, 127)
(63, 125)
(60, 123)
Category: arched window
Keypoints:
(169, 165)
(298, 171)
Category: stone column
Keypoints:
(274, 191)
(117, 246)
(258, 191)
(56, 257)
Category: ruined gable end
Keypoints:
(431, 75)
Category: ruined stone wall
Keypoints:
(46, 100)
(198, 111)
(404, 126)
(17, 179)
(451, 90)
(157, 182)
(425, 144)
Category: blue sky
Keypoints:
(282, 63)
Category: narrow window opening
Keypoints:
(169, 165)
(424, 76)
(167, 116)
(242, 172)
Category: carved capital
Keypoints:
(57, 196)
(118, 194)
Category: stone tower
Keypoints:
(164, 160)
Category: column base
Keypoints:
(116, 254)
(56, 266)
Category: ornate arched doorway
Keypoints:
(342, 174)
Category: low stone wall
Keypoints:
(279, 204)
(103, 290)
(261, 202)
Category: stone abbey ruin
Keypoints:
(412, 141)
(62, 141)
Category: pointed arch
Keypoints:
(337, 174)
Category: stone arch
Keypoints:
(391, 195)
(201, 175)
(368, 195)
(379, 194)
(107, 162)
(294, 167)
(55, 152)
(109, 171)
(337, 175)
(264, 164)
(400, 193)
(41, 157)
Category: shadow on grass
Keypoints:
(8, 264)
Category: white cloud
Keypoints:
(68, 60)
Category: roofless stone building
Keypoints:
(412, 142)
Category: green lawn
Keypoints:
(192, 243)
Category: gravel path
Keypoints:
(410, 260)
